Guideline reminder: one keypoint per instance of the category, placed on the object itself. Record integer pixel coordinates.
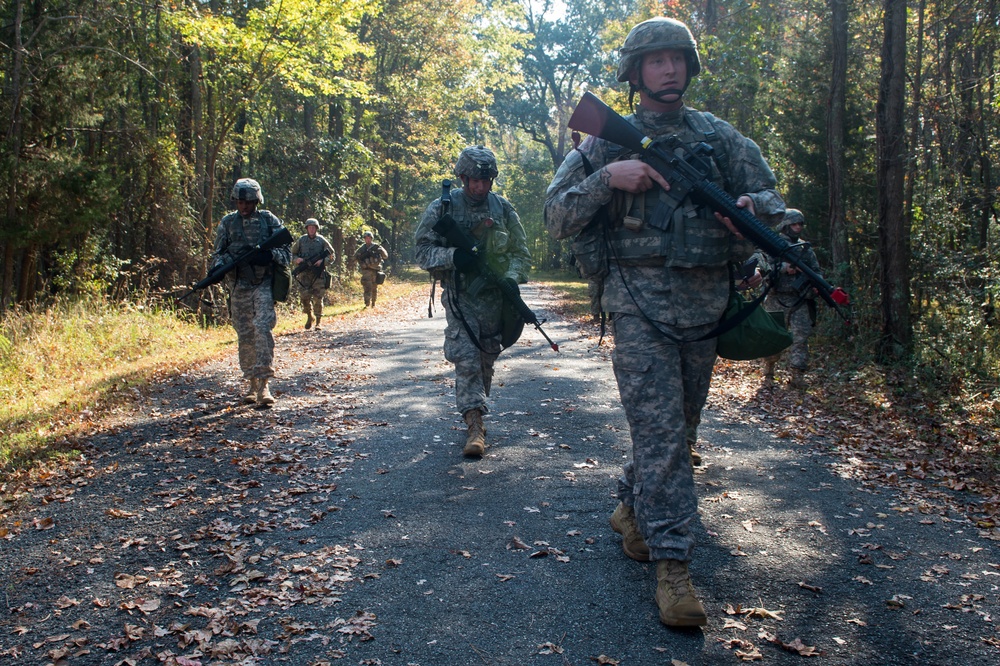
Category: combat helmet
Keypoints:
(792, 216)
(653, 35)
(312, 221)
(247, 189)
(477, 162)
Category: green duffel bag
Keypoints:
(749, 331)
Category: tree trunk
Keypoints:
(13, 145)
(836, 110)
(893, 232)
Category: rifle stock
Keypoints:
(460, 238)
(281, 237)
(598, 119)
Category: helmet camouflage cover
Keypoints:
(312, 222)
(247, 189)
(792, 216)
(477, 162)
(656, 34)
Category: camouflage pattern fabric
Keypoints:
(663, 383)
(466, 297)
(251, 304)
(312, 283)
(784, 297)
(370, 258)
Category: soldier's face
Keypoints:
(477, 188)
(311, 230)
(665, 69)
(246, 208)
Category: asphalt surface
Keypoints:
(507, 560)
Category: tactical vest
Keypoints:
(668, 228)
(242, 238)
(492, 238)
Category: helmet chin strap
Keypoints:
(660, 95)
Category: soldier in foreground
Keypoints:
(797, 301)
(472, 305)
(251, 302)
(668, 285)
(370, 257)
(309, 253)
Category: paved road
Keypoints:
(427, 558)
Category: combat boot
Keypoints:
(623, 522)
(769, 364)
(251, 396)
(679, 607)
(318, 319)
(264, 397)
(798, 378)
(475, 440)
(695, 456)
(309, 321)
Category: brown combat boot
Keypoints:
(769, 364)
(623, 522)
(264, 397)
(695, 456)
(251, 396)
(679, 607)
(318, 319)
(475, 440)
(309, 321)
(798, 378)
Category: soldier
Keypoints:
(251, 303)
(473, 306)
(310, 253)
(668, 286)
(798, 304)
(370, 257)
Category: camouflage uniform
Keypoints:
(799, 307)
(467, 299)
(370, 258)
(663, 295)
(312, 279)
(251, 304)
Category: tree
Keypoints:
(893, 232)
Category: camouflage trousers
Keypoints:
(369, 284)
(252, 312)
(799, 324)
(663, 387)
(312, 297)
(473, 366)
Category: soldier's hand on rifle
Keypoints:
(464, 260)
(298, 260)
(632, 176)
(743, 202)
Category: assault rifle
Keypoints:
(461, 238)
(307, 263)
(277, 239)
(689, 175)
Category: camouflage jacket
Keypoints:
(235, 235)
(495, 225)
(675, 296)
(370, 257)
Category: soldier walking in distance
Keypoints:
(797, 302)
(309, 253)
(251, 302)
(668, 285)
(370, 257)
(473, 306)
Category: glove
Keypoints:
(464, 260)
(262, 258)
